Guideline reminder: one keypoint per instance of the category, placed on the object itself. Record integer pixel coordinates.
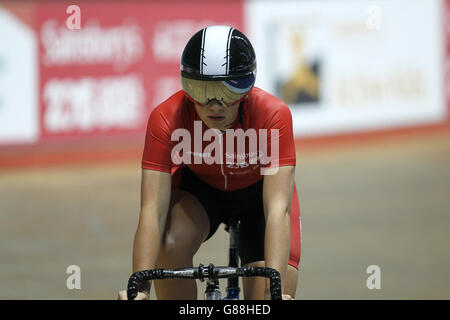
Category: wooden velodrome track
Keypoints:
(384, 203)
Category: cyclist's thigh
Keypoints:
(251, 237)
(187, 223)
(207, 196)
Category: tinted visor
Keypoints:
(227, 91)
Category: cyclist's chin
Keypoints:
(218, 125)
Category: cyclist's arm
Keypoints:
(277, 197)
(155, 201)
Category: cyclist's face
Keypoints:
(217, 115)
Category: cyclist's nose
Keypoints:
(215, 105)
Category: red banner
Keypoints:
(105, 66)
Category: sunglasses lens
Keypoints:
(226, 91)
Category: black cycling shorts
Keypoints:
(243, 204)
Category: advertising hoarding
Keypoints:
(349, 66)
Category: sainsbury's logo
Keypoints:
(120, 46)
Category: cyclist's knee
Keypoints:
(177, 244)
(185, 227)
(171, 249)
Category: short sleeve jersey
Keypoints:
(228, 161)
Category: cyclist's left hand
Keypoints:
(140, 296)
(287, 297)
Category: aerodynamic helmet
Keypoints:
(218, 63)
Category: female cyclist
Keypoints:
(195, 177)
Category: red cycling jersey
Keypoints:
(260, 110)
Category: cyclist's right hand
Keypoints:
(141, 296)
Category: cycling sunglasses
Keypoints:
(228, 92)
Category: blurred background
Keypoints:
(366, 84)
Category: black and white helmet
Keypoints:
(219, 63)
